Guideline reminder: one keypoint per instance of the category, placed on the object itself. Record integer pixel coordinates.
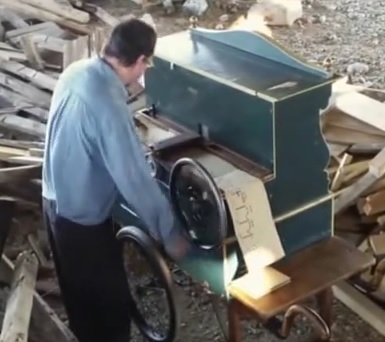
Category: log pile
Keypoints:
(354, 128)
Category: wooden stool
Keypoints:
(313, 272)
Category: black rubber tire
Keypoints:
(155, 258)
(174, 174)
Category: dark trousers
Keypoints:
(92, 279)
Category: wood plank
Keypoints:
(75, 50)
(5, 46)
(361, 305)
(30, 11)
(25, 160)
(21, 144)
(33, 94)
(375, 203)
(6, 14)
(337, 149)
(48, 42)
(12, 151)
(59, 9)
(45, 28)
(340, 119)
(97, 40)
(22, 125)
(366, 148)
(9, 55)
(340, 135)
(23, 103)
(341, 171)
(16, 321)
(29, 74)
(45, 325)
(363, 108)
(32, 53)
(104, 16)
(352, 193)
(19, 174)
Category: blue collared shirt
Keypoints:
(92, 152)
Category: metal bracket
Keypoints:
(281, 329)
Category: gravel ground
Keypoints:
(347, 34)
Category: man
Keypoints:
(92, 153)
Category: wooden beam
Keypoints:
(29, 74)
(75, 50)
(49, 43)
(351, 194)
(32, 93)
(361, 305)
(32, 53)
(19, 173)
(18, 124)
(19, 305)
(45, 325)
(38, 13)
(6, 14)
(45, 28)
(58, 9)
(20, 102)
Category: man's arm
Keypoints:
(124, 158)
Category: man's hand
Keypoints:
(177, 246)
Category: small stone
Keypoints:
(332, 37)
(224, 18)
(220, 26)
(322, 19)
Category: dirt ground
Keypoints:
(350, 34)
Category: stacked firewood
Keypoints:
(354, 128)
(355, 132)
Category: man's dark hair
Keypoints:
(129, 40)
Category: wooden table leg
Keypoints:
(325, 304)
(234, 320)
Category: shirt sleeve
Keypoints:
(124, 158)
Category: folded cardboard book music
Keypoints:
(258, 283)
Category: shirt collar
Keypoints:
(111, 75)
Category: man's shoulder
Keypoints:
(83, 80)
(80, 73)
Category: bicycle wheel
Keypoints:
(160, 278)
(198, 203)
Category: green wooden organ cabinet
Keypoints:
(219, 101)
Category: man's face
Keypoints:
(136, 71)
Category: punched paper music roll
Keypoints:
(256, 233)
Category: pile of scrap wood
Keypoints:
(38, 40)
(26, 316)
(354, 128)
